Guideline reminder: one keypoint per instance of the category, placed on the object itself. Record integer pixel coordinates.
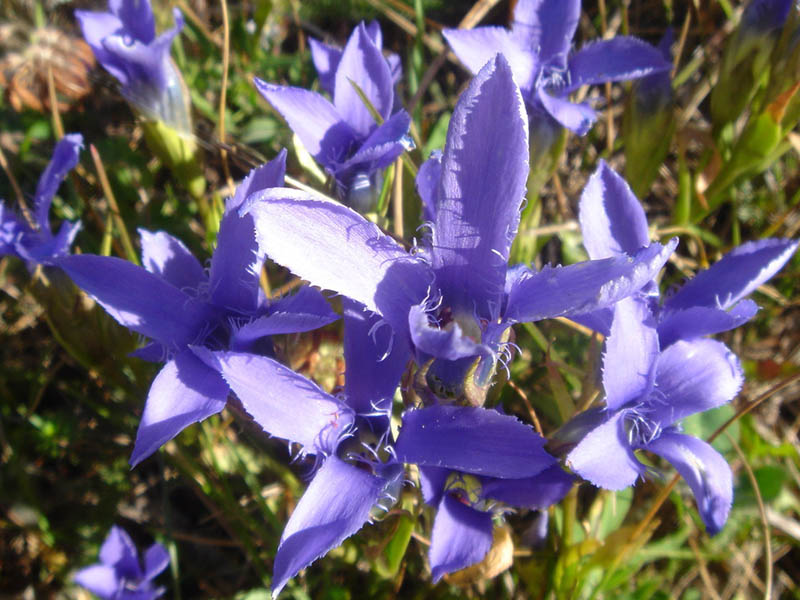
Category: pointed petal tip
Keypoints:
(612, 219)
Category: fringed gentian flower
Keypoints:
(121, 575)
(614, 224)
(35, 242)
(360, 470)
(343, 136)
(538, 49)
(495, 449)
(455, 299)
(124, 41)
(648, 391)
(175, 303)
(349, 436)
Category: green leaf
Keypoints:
(615, 508)
(770, 481)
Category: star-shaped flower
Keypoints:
(648, 391)
(454, 298)
(36, 243)
(343, 136)
(175, 303)
(120, 574)
(538, 48)
(614, 224)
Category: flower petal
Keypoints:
(284, 403)
(374, 363)
(335, 248)
(97, 26)
(697, 321)
(236, 263)
(382, 147)
(484, 170)
(313, 119)
(448, 344)
(547, 27)
(336, 505)
(65, 157)
(539, 491)
(156, 559)
(605, 456)
(304, 311)
(374, 32)
(473, 440)
(145, 62)
(101, 580)
(139, 300)
(597, 320)
(136, 17)
(585, 286)
(184, 392)
(706, 472)
(631, 353)
(431, 482)
(461, 537)
(612, 219)
(12, 230)
(119, 551)
(735, 276)
(694, 376)
(45, 249)
(326, 59)
(618, 59)
(427, 184)
(577, 117)
(475, 47)
(362, 64)
(167, 257)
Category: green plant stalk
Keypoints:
(181, 154)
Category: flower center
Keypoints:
(466, 488)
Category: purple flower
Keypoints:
(175, 303)
(360, 469)
(471, 458)
(614, 224)
(465, 504)
(124, 41)
(648, 391)
(120, 574)
(343, 135)
(538, 49)
(455, 298)
(35, 243)
(349, 436)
